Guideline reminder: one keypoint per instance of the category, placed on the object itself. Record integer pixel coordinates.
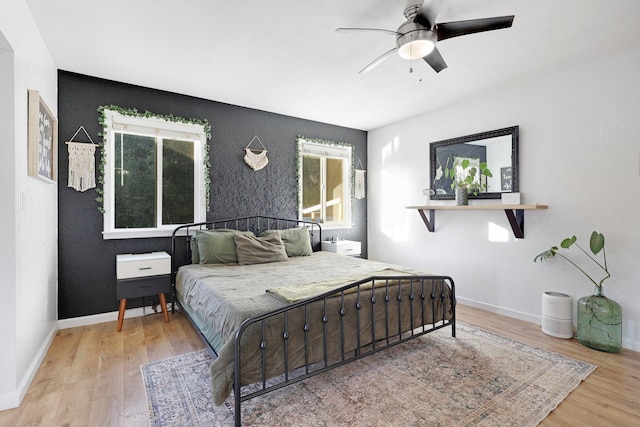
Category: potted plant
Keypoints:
(599, 318)
(466, 178)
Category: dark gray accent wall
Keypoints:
(86, 268)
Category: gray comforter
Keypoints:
(226, 295)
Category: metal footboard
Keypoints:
(338, 327)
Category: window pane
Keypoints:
(311, 189)
(135, 181)
(177, 181)
(334, 191)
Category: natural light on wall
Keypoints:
(393, 194)
(497, 233)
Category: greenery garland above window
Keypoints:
(146, 114)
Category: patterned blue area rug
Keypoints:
(476, 379)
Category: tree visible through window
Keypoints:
(136, 181)
(177, 181)
(153, 176)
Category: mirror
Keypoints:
(498, 148)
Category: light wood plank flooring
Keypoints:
(91, 374)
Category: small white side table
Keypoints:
(342, 247)
(141, 275)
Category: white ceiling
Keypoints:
(284, 56)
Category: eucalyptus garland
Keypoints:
(301, 138)
(146, 114)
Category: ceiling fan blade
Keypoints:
(447, 30)
(428, 13)
(435, 60)
(377, 61)
(365, 31)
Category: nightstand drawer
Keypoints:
(141, 265)
(342, 247)
(144, 286)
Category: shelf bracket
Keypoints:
(429, 222)
(516, 219)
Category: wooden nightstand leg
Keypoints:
(123, 306)
(163, 303)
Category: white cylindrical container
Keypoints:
(557, 315)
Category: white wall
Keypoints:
(579, 153)
(28, 261)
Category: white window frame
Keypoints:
(328, 149)
(116, 122)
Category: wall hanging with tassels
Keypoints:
(255, 158)
(82, 163)
(359, 190)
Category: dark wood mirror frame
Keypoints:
(476, 145)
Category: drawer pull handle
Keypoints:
(348, 249)
(145, 268)
(144, 287)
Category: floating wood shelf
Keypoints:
(515, 214)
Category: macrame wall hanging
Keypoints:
(359, 181)
(254, 157)
(82, 163)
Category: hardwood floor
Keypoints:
(91, 374)
(609, 397)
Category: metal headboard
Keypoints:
(181, 254)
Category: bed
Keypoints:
(276, 310)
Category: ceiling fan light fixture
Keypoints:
(416, 38)
(414, 41)
(416, 49)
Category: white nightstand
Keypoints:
(342, 247)
(141, 275)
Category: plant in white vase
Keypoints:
(599, 318)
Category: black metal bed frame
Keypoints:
(254, 223)
(420, 290)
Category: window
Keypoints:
(324, 181)
(153, 175)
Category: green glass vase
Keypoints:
(600, 322)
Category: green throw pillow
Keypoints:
(296, 240)
(218, 246)
(195, 254)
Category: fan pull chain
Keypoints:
(411, 60)
(411, 70)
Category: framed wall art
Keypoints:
(42, 140)
(506, 179)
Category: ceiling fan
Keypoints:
(416, 38)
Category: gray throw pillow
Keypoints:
(259, 250)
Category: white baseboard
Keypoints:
(100, 318)
(631, 345)
(626, 343)
(14, 398)
(500, 310)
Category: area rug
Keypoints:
(476, 379)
